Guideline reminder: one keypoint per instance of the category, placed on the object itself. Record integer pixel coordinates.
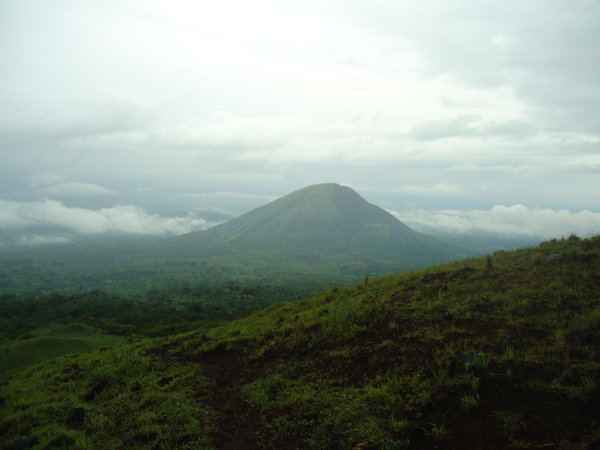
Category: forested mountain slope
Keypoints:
(499, 352)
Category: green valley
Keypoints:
(496, 352)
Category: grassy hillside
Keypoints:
(51, 342)
(499, 352)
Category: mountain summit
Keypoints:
(324, 218)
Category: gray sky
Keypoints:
(134, 116)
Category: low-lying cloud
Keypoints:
(47, 213)
(517, 220)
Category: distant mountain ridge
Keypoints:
(323, 235)
(323, 218)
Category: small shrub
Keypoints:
(438, 433)
(480, 361)
(512, 423)
(470, 401)
(398, 426)
(510, 354)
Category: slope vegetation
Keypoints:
(51, 342)
(494, 353)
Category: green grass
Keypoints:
(123, 396)
(500, 352)
(52, 342)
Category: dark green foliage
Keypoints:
(488, 263)
(454, 356)
(164, 310)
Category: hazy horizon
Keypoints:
(148, 117)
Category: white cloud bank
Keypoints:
(118, 219)
(51, 215)
(510, 220)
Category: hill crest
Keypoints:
(323, 218)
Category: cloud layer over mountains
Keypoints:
(51, 222)
(132, 113)
(516, 220)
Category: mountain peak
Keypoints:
(331, 191)
(326, 218)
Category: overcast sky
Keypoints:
(136, 116)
